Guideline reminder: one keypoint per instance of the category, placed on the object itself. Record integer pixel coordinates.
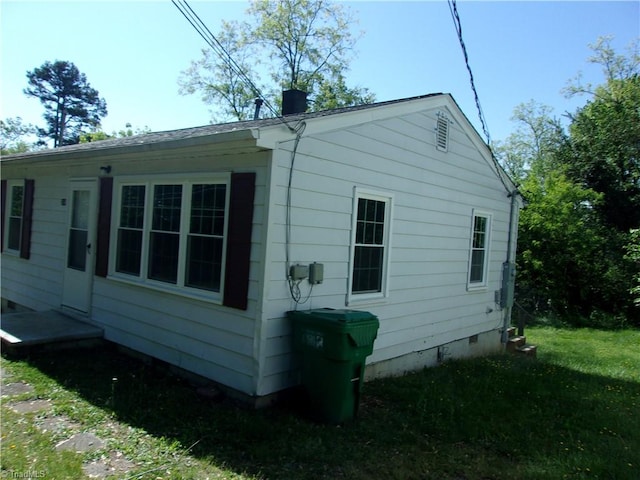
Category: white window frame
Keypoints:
(387, 198)
(11, 184)
(142, 279)
(482, 284)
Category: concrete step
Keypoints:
(527, 350)
(511, 332)
(514, 342)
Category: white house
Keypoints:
(179, 244)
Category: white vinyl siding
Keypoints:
(171, 234)
(190, 331)
(428, 302)
(37, 283)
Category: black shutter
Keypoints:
(3, 205)
(104, 226)
(236, 285)
(27, 219)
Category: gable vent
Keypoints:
(442, 132)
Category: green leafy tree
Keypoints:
(535, 141)
(558, 240)
(297, 44)
(306, 40)
(334, 93)
(633, 256)
(605, 136)
(576, 253)
(98, 135)
(71, 104)
(218, 83)
(15, 136)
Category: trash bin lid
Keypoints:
(342, 315)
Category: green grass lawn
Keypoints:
(573, 413)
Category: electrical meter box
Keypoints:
(298, 272)
(316, 273)
(508, 284)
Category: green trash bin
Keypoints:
(333, 346)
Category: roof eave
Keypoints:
(246, 137)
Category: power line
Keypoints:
(458, 26)
(211, 40)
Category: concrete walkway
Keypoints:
(26, 329)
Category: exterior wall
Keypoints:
(428, 305)
(204, 337)
(37, 283)
(434, 196)
(474, 346)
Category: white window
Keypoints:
(479, 251)
(15, 209)
(442, 132)
(172, 233)
(370, 245)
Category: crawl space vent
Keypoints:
(442, 133)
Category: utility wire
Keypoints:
(197, 23)
(211, 40)
(458, 26)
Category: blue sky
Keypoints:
(133, 53)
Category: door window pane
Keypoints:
(80, 214)
(77, 255)
(78, 233)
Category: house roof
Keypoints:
(203, 131)
(239, 133)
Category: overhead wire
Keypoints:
(196, 22)
(211, 40)
(458, 26)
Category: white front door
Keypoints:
(79, 262)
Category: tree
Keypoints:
(217, 82)
(98, 135)
(70, 103)
(334, 93)
(577, 258)
(559, 242)
(633, 255)
(297, 44)
(14, 136)
(305, 39)
(536, 139)
(605, 136)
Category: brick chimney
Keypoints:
(294, 101)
